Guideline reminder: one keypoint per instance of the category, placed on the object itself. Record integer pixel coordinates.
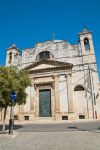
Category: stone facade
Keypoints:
(66, 73)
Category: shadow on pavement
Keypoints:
(15, 127)
(80, 129)
(56, 127)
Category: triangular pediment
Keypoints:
(42, 66)
(47, 65)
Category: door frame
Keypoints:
(44, 90)
(40, 87)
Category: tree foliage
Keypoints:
(11, 80)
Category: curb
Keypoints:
(53, 122)
(9, 136)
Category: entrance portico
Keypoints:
(46, 83)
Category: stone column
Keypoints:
(31, 105)
(69, 93)
(32, 109)
(32, 97)
(36, 101)
(57, 98)
(21, 112)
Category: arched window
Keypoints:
(44, 55)
(10, 57)
(86, 44)
(79, 88)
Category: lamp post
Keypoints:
(13, 97)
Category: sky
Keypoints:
(26, 22)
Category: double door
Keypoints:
(45, 103)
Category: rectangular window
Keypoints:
(81, 116)
(64, 117)
(26, 117)
(15, 117)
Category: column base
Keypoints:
(57, 116)
(21, 117)
(72, 116)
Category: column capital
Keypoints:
(32, 81)
(68, 75)
(55, 76)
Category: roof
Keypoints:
(84, 31)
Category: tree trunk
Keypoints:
(4, 120)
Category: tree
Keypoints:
(12, 79)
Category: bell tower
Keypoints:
(13, 56)
(88, 56)
(86, 46)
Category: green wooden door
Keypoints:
(45, 103)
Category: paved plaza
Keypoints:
(71, 136)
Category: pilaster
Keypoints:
(57, 98)
(69, 93)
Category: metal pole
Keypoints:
(11, 120)
(94, 99)
(91, 93)
(1, 114)
(12, 115)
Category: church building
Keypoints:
(64, 76)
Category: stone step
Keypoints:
(44, 118)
